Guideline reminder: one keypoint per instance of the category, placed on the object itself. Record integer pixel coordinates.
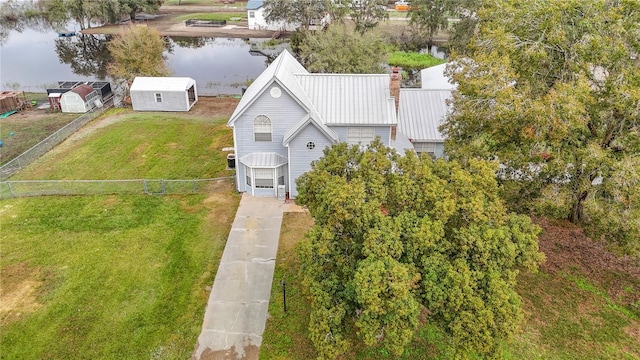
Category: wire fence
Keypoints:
(25, 188)
(47, 144)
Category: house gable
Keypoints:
(290, 113)
(306, 147)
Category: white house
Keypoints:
(80, 99)
(163, 93)
(434, 78)
(257, 21)
(420, 113)
(287, 116)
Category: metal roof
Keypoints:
(263, 160)
(435, 79)
(254, 4)
(282, 71)
(350, 99)
(330, 99)
(421, 111)
(297, 128)
(142, 83)
(82, 90)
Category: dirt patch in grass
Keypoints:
(19, 291)
(226, 202)
(568, 250)
(583, 303)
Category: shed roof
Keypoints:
(82, 90)
(142, 83)
(350, 99)
(421, 112)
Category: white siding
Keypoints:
(384, 132)
(145, 100)
(258, 22)
(284, 112)
(71, 102)
(300, 156)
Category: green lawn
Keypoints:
(109, 277)
(567, 314)
(192, 2)
(19, 133)
(141, 145)
(116, 277)
(214, 16)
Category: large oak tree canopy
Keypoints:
(395, 236)
(551, 89)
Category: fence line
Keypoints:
(24, 188)
(48, 143)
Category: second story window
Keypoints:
(262, 128)
(158, 97)
(360, 135)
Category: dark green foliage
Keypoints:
(395, 235)
(340, 50)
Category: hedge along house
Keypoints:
(288, 116)
(80, 99)
(420, 113)
(163, 93)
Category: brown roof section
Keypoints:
(83, 90)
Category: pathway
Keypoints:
(238, 304)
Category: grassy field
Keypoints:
(21, 131)
(117, 277)
(573, 309)
(109, 277)
(141, 145)
(214, 16)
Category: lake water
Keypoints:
(33, 60)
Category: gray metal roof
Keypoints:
(330, 99)
(263, 160)
(281, 70)
(142, 83)
(297, 128)
(421, 111)
(350, 99)
(254, 4)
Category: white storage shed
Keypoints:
(163, 93)
(80, 99)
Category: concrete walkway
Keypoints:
(238, 304)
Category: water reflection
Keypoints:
(87, 54)
(34, 59)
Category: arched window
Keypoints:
(262, 128)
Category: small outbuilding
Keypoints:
(80, 99)
(163, 93)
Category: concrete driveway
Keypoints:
(238, 304)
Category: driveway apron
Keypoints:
(238, 304)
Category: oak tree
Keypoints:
(138, 51)
(400, 236)
(367, 14)
(339, 50)
(551, 91)
(299, 13)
